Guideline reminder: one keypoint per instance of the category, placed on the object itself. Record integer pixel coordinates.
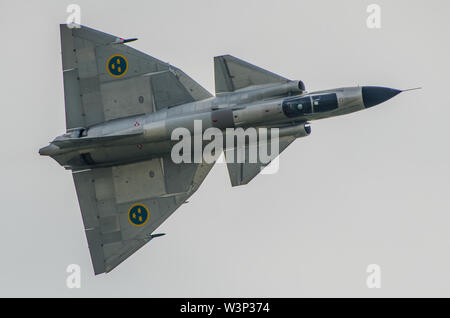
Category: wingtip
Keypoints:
(222, 56)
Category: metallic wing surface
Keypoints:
(241, 173)
(122, 205)
(232, 74)
(102, 78)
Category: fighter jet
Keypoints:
(121, 107)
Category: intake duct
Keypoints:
(298, 130)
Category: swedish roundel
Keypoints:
(138, 214)
(117, 65)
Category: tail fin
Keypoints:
(232, 74)
(105, 79)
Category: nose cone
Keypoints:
(374, 95)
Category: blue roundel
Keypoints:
(117, 65)
(138, 214)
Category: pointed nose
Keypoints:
(374, 95)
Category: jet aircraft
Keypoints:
(121, 107)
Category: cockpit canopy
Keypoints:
(300, 106)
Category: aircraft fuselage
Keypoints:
(143, 136)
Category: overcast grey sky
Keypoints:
(370, 187)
